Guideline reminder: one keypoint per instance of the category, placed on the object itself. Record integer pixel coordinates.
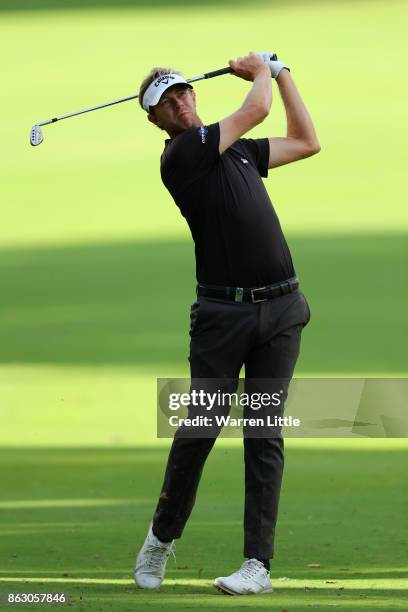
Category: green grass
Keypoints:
(122, 304)
(79, 336)
(96, 277)
(95, 178)
(84, 513)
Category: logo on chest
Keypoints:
(244, 161)
(203, 133)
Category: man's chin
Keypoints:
(182, 126)
(186, 121)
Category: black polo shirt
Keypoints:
(237, 234)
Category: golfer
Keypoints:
(249, 310)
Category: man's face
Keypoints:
(176, 110)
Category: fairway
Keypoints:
(97, 277)
(77, 517)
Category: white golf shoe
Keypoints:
(151, 561)
(252, 578)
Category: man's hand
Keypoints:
(248, 67)
(275, 66)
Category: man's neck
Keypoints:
(197, 123)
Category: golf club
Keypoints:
(37, 136)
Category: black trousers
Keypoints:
(265, 337)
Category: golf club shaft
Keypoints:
(206, 75)
(88, 110)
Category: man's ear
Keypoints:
(153, 119)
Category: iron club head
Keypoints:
(36, 135)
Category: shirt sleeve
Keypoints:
(191, 154)
(258, 150)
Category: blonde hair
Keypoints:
(154, 73)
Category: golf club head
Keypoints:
(36, 136)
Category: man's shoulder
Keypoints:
(191, 145)
(192, 136)
(173, 145)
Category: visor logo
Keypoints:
(164, 79)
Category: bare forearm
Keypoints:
(260, 94)
(299, 122)
(255, 106)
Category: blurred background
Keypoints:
(97, 266)
(96, 263)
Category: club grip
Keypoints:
(214, 73)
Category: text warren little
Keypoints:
(227, 421)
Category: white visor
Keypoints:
(156, 89)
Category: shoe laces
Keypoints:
(155, 554)
(249, 569)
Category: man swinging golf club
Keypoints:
(249, 310)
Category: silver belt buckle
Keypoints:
(253, 300)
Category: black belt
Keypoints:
(246, 294)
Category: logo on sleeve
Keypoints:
(203, 133)
(244, 161)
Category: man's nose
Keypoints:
(177, 103)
